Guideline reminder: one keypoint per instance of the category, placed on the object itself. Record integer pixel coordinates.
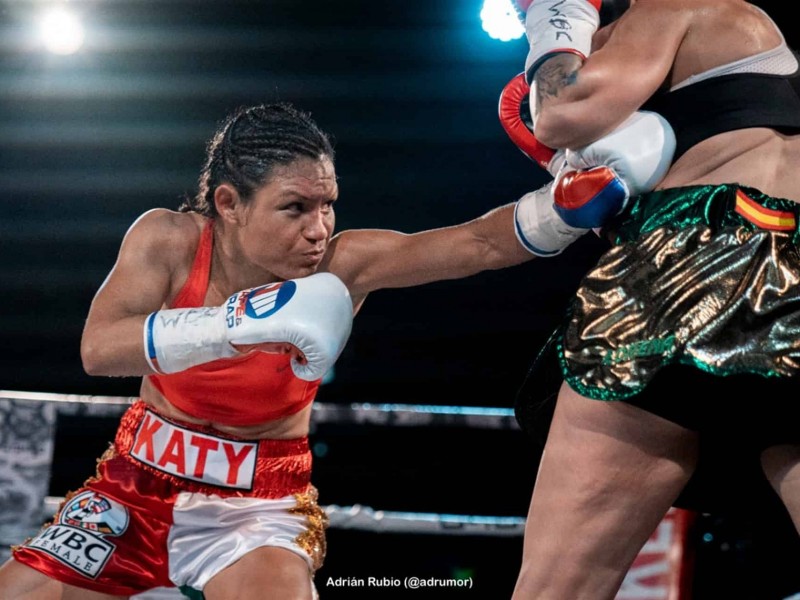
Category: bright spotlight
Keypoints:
(501, 20)
(62, 32)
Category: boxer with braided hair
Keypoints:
(232, 310)
(221, 308)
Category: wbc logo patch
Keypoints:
(77, 539)
(89, 510)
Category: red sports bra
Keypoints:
(248, 390)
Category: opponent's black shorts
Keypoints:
(693, 315)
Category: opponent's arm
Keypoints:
(576, 102)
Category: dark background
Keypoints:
(409, 91)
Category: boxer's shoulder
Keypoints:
(167, 234)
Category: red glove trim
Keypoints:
(513, 94)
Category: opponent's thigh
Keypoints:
(608, 474)
(781, 465)
(261, 574)
(20, 582)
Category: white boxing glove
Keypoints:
(538, 226)
(597, 180)
(556, 26)
(314, 314)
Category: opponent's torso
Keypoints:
(734, 41)
(253, 396)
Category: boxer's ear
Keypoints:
(229, 204)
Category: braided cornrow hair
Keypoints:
(247, 147)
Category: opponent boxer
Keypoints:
(232, 310)
(689, 327)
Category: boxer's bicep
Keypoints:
(139, 281)
(137, 284)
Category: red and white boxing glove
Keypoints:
(597, 180)
(537, 225)
(312, 314)
(592, 184)
(515, 117)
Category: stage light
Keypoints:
(62, 32)
(501, 20)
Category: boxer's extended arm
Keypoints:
(367, 259)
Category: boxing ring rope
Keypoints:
(355, 517)
(27, 432)
(365, 518)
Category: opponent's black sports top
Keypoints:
(727, 102)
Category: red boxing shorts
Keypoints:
(173, 504)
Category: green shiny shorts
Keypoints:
(707, 276)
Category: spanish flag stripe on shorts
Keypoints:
(765, 218)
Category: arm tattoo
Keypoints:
(553, 75)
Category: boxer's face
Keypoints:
(289, 221)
